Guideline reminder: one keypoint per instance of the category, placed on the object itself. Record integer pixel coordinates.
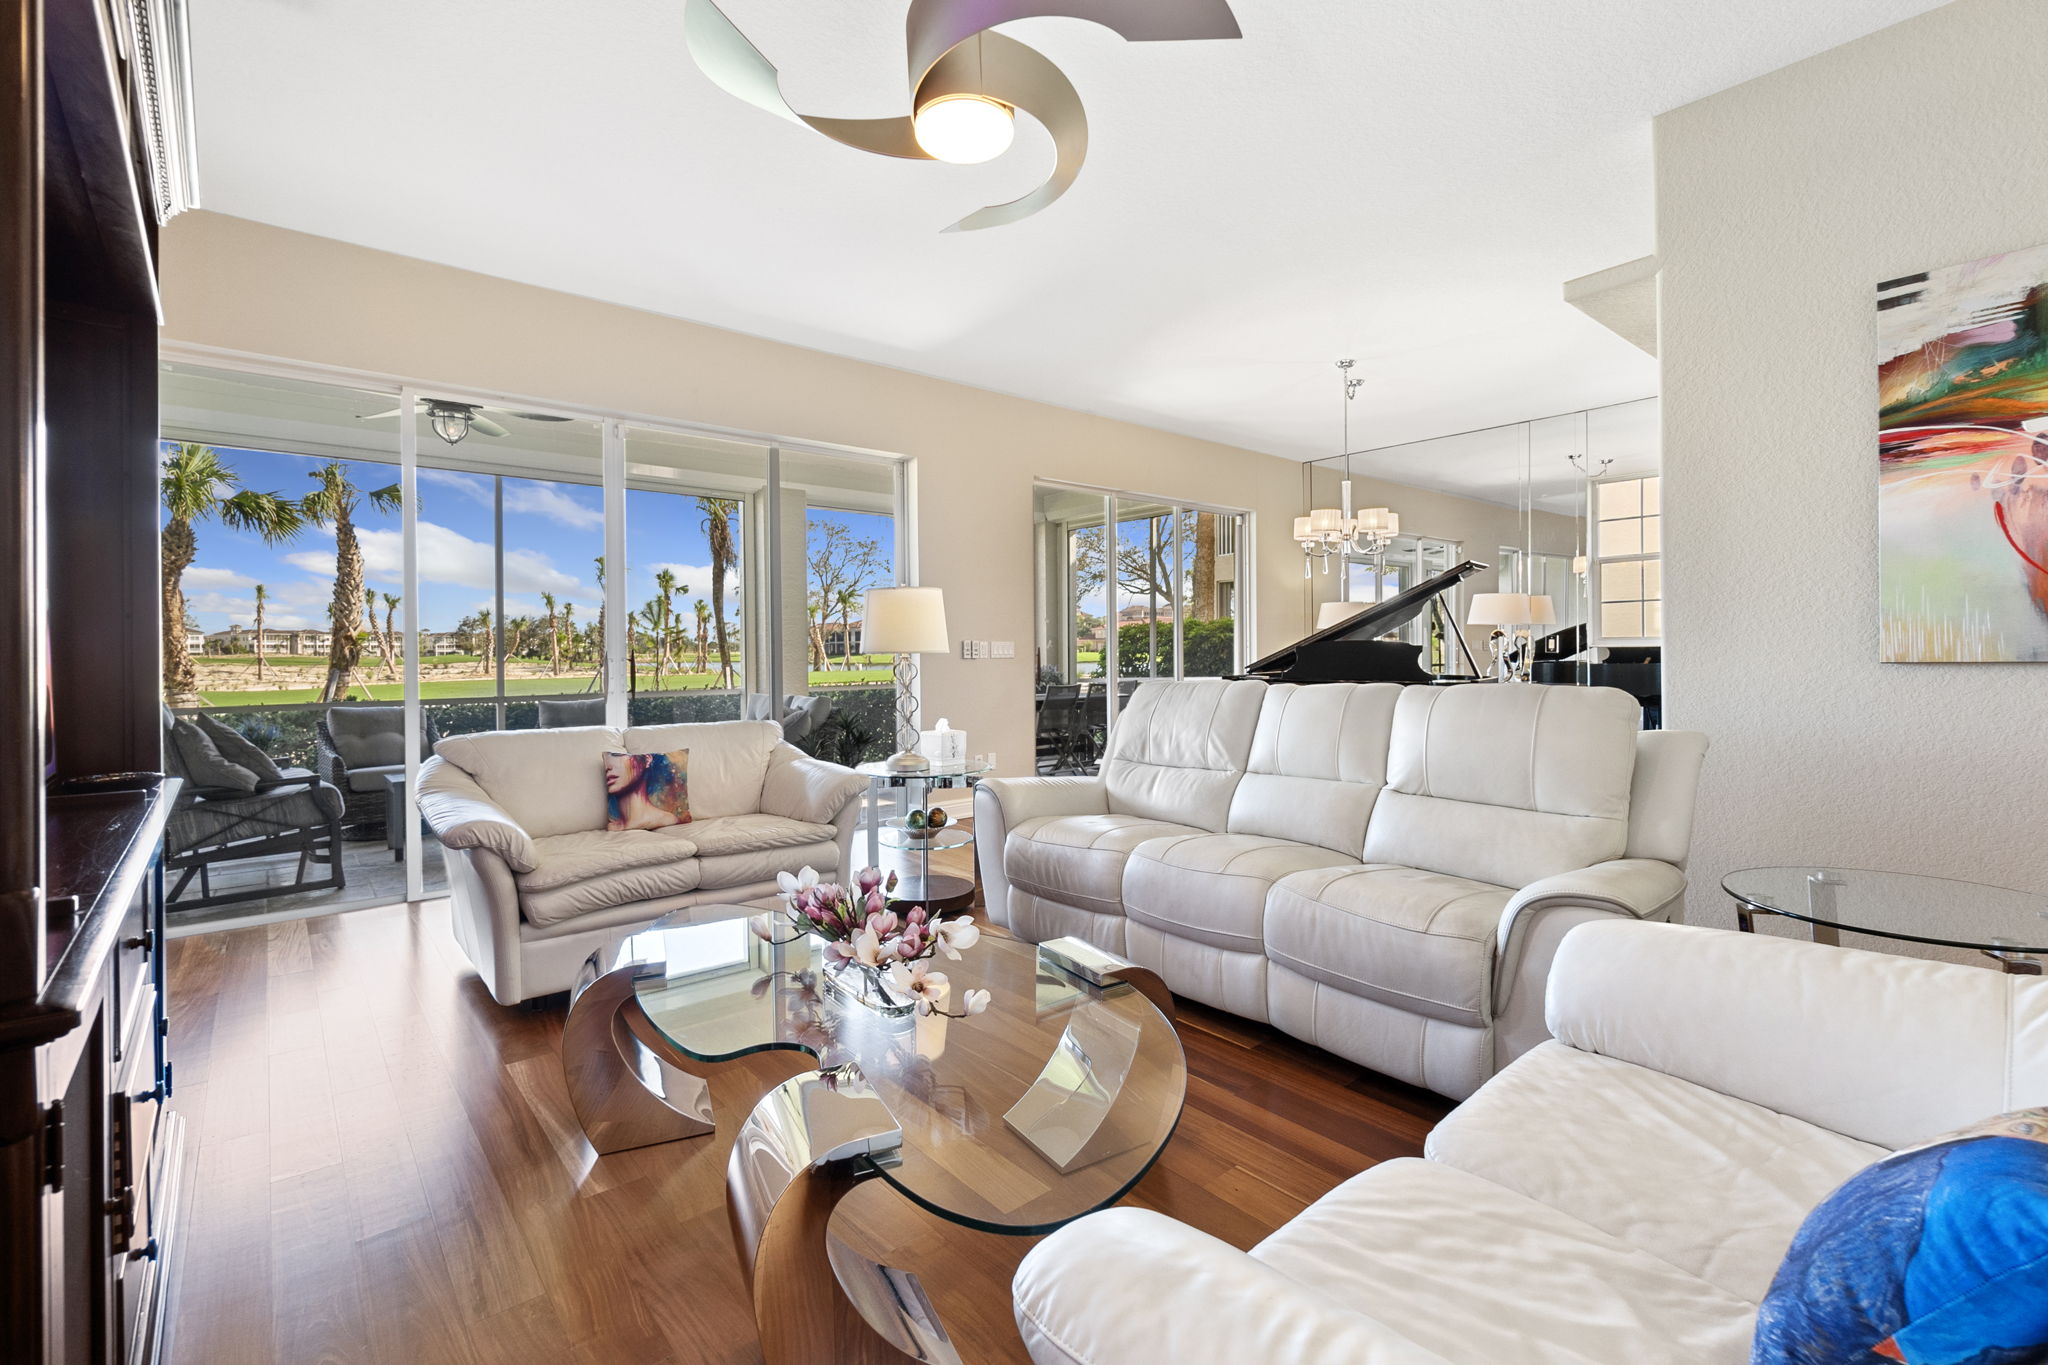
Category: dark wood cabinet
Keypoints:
(92, 159)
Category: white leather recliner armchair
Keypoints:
(1623, 1193)
(1383, 871)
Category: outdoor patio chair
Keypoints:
(210, 826)
(360, 746)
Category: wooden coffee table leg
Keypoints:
(807, 1144)
(627, 1093)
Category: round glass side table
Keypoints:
(916, 884)
(913, 791)
(2010, 926)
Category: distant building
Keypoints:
(242, 640)
(834, 634)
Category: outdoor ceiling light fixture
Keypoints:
(965, 81)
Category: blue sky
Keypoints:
(553, 535)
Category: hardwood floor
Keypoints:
(386, 1169)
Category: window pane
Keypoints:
(1623, 499)
(1622, 620)
(846, 509)
(1145, 571)
(692, 594)
(1621, 582)
(1653, 578)
(1652, 496)
(1621, 538)
(1209, 579)
(1653, 535)
(1653, 619)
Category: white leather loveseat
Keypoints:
(538, 883)
(1383, 871)
(1619, 1196)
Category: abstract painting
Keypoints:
(1962, 382)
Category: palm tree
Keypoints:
(665, 584)
(575, 650)
(814, 613)
(262, 597)
(378, 637)
(703, 610)
(484, 647)
(198, 484)
(554, 634)
(604, 658)
(334, 503)
(390, 636)
(650, 616)
(846, 600)
(718, 513)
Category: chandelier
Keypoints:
(1329, 532)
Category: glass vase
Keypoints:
(867, 987)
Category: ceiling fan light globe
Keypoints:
(965, 130)
(450, 426)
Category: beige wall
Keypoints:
(1780, 205)
(246, 287)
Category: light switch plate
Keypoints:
(1002, 649)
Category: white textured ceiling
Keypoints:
(1407, 183)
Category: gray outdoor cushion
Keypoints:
(237, 747)
(562, 715)
(368, 736)
(372, 779)
(203, 763)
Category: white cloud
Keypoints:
(553, 502)
(692, 580)
(448, 556)
(548, 500)
(241, 611)
(199, 578)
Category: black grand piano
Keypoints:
(1636, 669)
(1352, 650)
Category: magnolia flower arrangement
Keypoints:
(862, 932)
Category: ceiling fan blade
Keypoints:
(479, 422)
(373, 416)
(1023, 78)
(533, 416)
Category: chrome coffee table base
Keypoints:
(624, 1081)
(807, 1144)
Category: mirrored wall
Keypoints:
(1566, 507)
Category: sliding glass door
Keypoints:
(1130, 588)
(434, 563)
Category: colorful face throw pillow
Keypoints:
(1936, 1255)
(647, 791)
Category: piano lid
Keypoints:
(1374, 621)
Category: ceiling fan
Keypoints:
(451, 421)
(966, 82)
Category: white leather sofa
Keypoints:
(538, 883)
(1383, 871)
(1621, 1196)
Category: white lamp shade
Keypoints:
(1542, 611)
(1301, 529)
(1330, 613)
(904, 621)
(1498, 609)
(1325, 519)
(1373, 519)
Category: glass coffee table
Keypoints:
(1051, 1104)
(2010, 926)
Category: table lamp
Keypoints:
(905, 622)
(1331, 613)
(1511, 614)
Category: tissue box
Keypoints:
(943, 746)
